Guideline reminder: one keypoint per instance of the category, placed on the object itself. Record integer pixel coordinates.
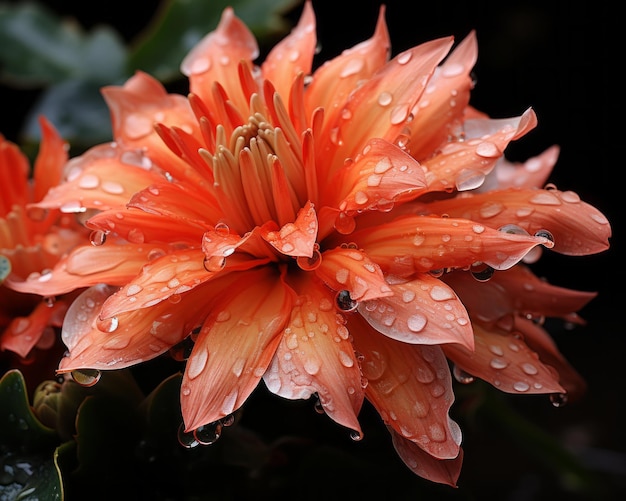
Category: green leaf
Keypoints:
(38, 48)
(183, 23)
(20, 430)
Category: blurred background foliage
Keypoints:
(118, 439)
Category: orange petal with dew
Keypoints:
(354, 271)
(105, 177)
(441, 471)
(516, 290)
(315, 356)
(138, 226)
(577, 227)
(293, 54)
(14, 165)
(335, 80)
(23, 333)
(464, 165)
(216, 59)
(381, 106)
(129, 338)
(444, 100)
(411, 388)
(297, 238)
(88, 265)
(382, 175)
(538, 339)
(164, 277)
(51, 158)
(423, 243)
(234, 347)
(505, 361)
(533, 173)
(421, 311)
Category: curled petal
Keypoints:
(234, 347)
(128, 338)
(505, 361)
(352, 270)
(577, 227)
(442, 471)
(464, 165)
(421, 311)
(88, 265)
(411, 388)
(315, 355)
(382, 175)
(297, 238)
(423, 243)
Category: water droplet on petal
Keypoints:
(209, 433)
(97, 237)
(107, 324)
(86, 377)
(310, 263)
(186, 438)
(461, 376)
(356, 435)
(558, 399)
(214, 263)
(344, 302)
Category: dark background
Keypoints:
(561, 58)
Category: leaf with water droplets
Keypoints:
(411, 388)
(315, 355)
(421, 311)
(505, 361)
(235, 346)
(354, 271)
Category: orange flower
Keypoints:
(31, 241)
(343, 232)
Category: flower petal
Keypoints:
(51, 158)
(424, 243)
(292, 55)
(444, 100)
(104, 177)
(382, 175)
(381, 106)
(539, 340)
(505, 361)
(88, 265)
(315, 355)
(442, 471)
(421, 311)
(352, 270)
(129, 338)
(216, 59)
(411, 388)
(516, 291)
(577, 227)
(533, 173)
(234, 347)
(297, 238)
(463, 165)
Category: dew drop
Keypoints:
(107, 324)
(416, 322)
(97, 237)
(558, 399)
(214, 264)
(356, 435)
(310, 263)
(521, 386)
(344, 224)
(86, 377)
(482, 272)
(209, 433)
(461, 376)
(344, 302)
(186, 438)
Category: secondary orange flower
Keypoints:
(31, 241)
(343, 232)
